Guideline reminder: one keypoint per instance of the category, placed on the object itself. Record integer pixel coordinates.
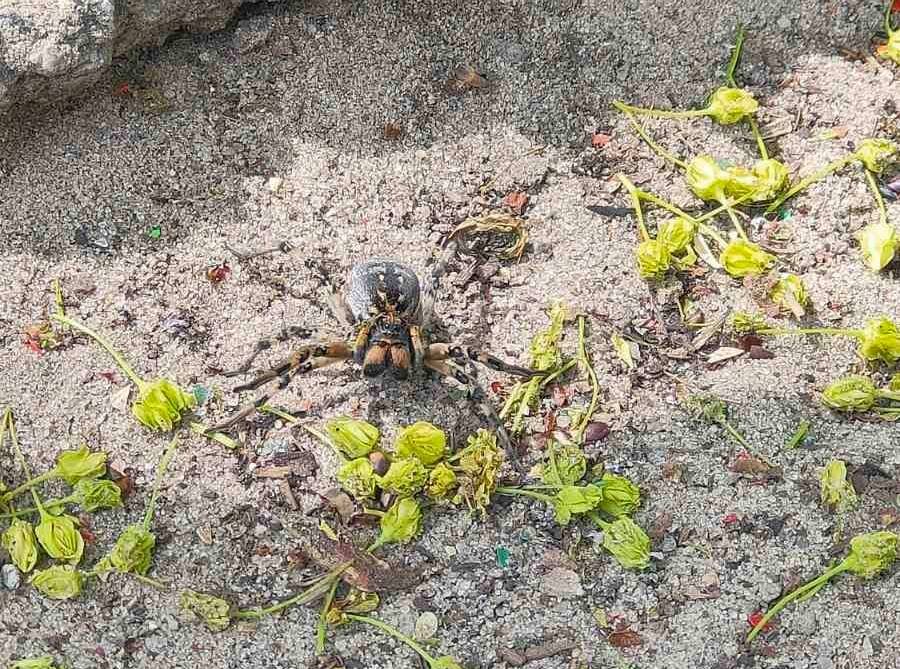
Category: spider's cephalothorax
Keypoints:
(389, 311)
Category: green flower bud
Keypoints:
(441, 482)
(878, 244)
(871, 554)
(572, 500)
(356, 602)
(358, 478)
(875, 153)
(354, 438)
(98, 494)
(743, 322)
(161, 404)
(891, 49)
(676, 234)
(213, 611)
(707, 179)
(405, 477)
(741, 182)
(790, 294)
(653, 258)
(620, 496)
(400, 523)
(60, 538)
(480, 463)
(894, 385)
(627, 543)
(771, 179)
(133, 550)
(72, 466)
(423, 441)
(564, 465)
(742, 258)
(445, 662)
(19, 542)
(58, 582)
(850, 393)
(880, 340)
(731, 105)
(43, 662)
(836, 492)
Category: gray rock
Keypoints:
(560, 582)
(52, 50)
(11, 577)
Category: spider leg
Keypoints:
(302, 361)
(461, 354)
(476, 394)
(287, 333)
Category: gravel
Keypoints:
(274, 130)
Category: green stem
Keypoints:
(559, 372)
(831, 167)
(595, 383)
(265, 408)
(787, 599)
(120, 361)
(887, 19)
(318, 589)
(51, 504)
(735, 57)
(760, 142)
(636, 203)
(391, 631)
(712, 232)
(639, 129)
(735, 222)
(13, 437)
(160, 471)
(597, 519)
(325, 440)
(882, 210)
(737, 435)
(843, 332)
(888, 394)
(660, 113)
(512, 492)
(29, 485)
(322, 626)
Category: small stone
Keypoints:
(426, 626)
(274, 184)
(560, 582)
(11, 577)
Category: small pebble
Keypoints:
(426, 626)
(11, 577)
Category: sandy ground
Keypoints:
(274, 130)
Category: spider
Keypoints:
(390, 313)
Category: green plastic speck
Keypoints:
(155, 232)
(502, 557)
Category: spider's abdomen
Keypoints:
(383, 287)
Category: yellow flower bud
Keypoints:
(880, 340)
(572, 500)
(564, 465)
(441, 482)
(58, 582)
(706, 178)
(627, 543)
(161, 404)
(60, 538)
(871, 554)
(213, 611)
(133, 550)
(850, 393)
(653, 258)
(423, 441)
(405, 477)
(835, 491)
(20, 543)
(891, 49)
(620, 496)
(875, 153)
(771, 179)
(354, 438)
(72, 466)
(93, 495)
(480, 462)
(878, 244)
(731, 105)
(743, 258)
(400, 523)
(358, 478)
(676, 234)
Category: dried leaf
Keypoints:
(760, 353)
(624, 638)
(748, 464)
(272, 472)
(516, 201)
(340, 502)
(392, 131)
(724, 353)
(599, 140)
(465, 78)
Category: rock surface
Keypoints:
(51, 50)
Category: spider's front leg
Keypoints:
(304, 359)
(462, 354)
(477, 395)
(287, 333)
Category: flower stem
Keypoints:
(120, 361)
(512, 492)
(887, 19)
(639, 129)
(735, 57)
(760, 143)
(325, 440)
(28, 485)
(882, 210)
(636, 203)
(735, 222)
(737, 435)
(787, 599)
(160, 471)
(322, 626)
(391, 631)
(318, 589)
(597, 519)
(559, 372)
(712, 232)
(833, 166)
(11, 426)
(595, 384)
(50, 504)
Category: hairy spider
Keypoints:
(390, 313)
